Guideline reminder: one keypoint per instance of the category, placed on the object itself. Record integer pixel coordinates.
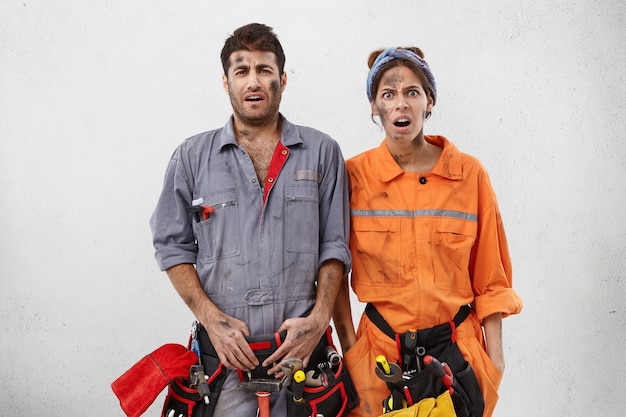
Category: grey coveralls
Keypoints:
(258, 253)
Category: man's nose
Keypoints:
(253, 80)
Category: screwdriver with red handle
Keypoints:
(201, 213)
(440, 371)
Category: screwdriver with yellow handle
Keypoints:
(390, 374)
(298, 393)
(298, 385)
(383, 365)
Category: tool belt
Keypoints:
(419, 379)
(336, 395)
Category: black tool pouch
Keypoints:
(418, 382)
(337, 398)
(183, 397)
(466, 396)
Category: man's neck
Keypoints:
(270, 132)
(260, 143)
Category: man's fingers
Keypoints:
(276, 356)
(248, 361)
(237, 354)
(228, 337)
(236, 359)
(248, 354)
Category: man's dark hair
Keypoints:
(253, 37)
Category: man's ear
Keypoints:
(283, 81)
(225, 83)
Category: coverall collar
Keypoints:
(289, 135)
(450, 164)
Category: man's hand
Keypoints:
(303, 335)
(227, 335)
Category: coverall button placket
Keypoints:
(245, 162)
(423, 180)
(276, 165)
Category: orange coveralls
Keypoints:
(422, 246)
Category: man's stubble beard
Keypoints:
(264, 119)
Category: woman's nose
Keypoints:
(401, 103)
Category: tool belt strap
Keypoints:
(434, 334)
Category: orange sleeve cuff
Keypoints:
(505, 301)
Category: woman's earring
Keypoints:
(427, 115)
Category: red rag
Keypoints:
(138, 387)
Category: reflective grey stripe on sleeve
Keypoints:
(416, 213)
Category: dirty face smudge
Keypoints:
(254, 85)
(275, 87)
(400, 102)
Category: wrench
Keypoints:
(395, 374)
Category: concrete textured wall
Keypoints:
(95, 95)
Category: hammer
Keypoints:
(262, 388)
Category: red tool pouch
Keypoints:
(338, 397)
(184, 399)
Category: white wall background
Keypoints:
(94, 96)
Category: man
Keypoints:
(260, 208)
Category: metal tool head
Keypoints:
(261, 385)
(294, 364)
(393, 377)
(289, 367)
(313, 379)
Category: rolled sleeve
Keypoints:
(172, 233)
(336, 251)
(491, 263)
(335, 211)
(505, 301)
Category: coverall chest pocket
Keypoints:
(454, 240)
(377, 252)
(302, 218)
(218, 236)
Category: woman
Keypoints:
(426, 239)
